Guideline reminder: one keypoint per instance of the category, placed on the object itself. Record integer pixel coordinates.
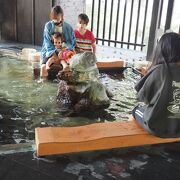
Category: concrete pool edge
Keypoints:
(16, 148)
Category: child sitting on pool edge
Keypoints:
(63, 54)
(56, 24)
(61, 51)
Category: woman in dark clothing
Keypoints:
(159, 89)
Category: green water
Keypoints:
(26, 104)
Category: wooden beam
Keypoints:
(110, 64)
(116, 65)
(98, 136)
(156, 9)
(169, 15)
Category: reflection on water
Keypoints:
(25, 104)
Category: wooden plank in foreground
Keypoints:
(98, 136)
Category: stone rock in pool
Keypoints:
(80, 89)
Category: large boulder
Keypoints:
(80, 89)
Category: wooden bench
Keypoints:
(117, 65)
(98, 136)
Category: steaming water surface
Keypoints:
(25, 104)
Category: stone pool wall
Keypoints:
(103, 52)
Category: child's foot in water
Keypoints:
(67, 68)
(47, 67)
(42, 80)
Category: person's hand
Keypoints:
(81, 50)
(60, 55)
(63, 49)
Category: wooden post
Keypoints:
(169, 15)
(153, 28)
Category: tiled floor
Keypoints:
(158, 162)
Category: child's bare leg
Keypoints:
(43, 72)
(49, 63)
(65, 65)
